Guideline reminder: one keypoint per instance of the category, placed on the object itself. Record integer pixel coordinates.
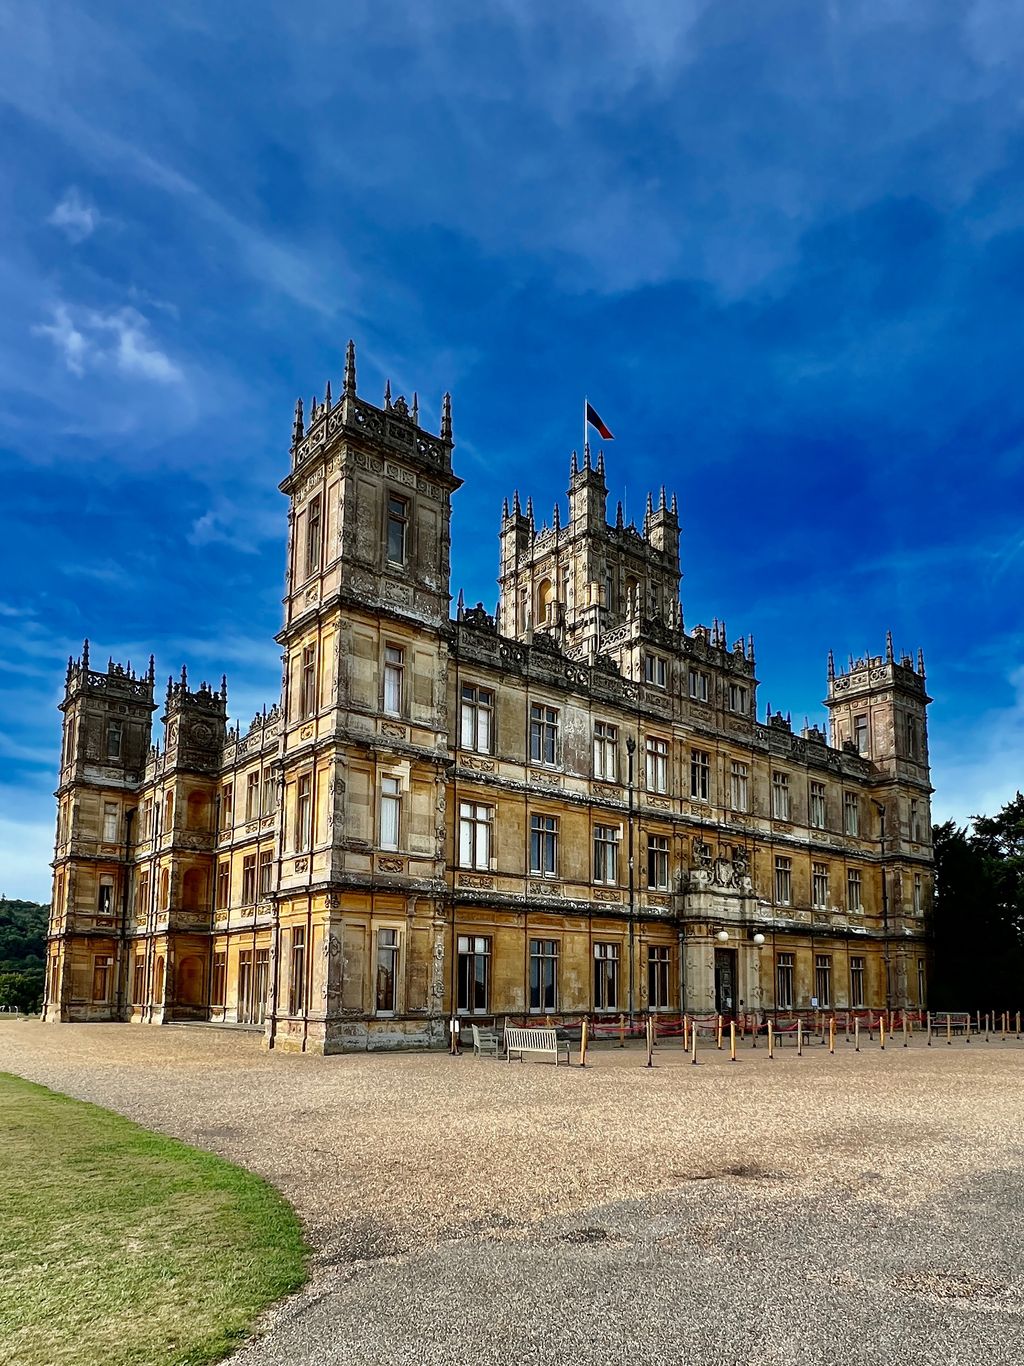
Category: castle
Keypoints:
(571, 807)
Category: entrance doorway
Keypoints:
(725, 981)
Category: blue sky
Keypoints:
(780, 244)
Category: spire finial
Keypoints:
(170, 686)
(556, 521)
(586, 455)
(574, 466)
(224, 687)
(750, 647)
(151, 675)
(618, 515)
(529, 509)
(298, 431)
(920, 662)
(71, 665)
(768, 711)
(831, 666)
(650, 509)
(661, 504)
(517, 510)
(675, 506)
(350, 369)
(504, 509)
(600, 461)
(446, 418)
(327, 396)
(184, 676)
(85, 653)
(415, 408)
(889, 656)
(387, 394)
(460, 606)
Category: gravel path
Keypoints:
(865, 1206)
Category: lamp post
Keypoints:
(630, 752)
(885, 905)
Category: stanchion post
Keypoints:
(622, 1031)
(904, 1029)
(718, 1033)
(1018, 1024)
(771, 1041)
(799, 1038)
(732, 1040)
(583, 1041)
(928, 1027)
(650, 1041)
(686, 1033)
(693, 1042)
(832, 1034)
(856, 1034)
(881, 1032)
(986, 1027)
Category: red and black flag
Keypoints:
(597, 424)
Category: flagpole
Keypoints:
(583, 452)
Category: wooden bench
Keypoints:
(534, 1041)
(485, 1041)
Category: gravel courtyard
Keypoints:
(866, 1207)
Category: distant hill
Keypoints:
(22, 952)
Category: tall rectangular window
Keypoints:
(543, 974)
(146, 819)
(139, 980)
(387, 972)
(297, 978)
(851, 813)
(860, 733)
(115, 736)
(817, 805)
(654, 670)
(780, 796)
(142, 896)
(474, 974)
(308, 690)
(475, 823)
(223, 885)
(268, 796)
(783, 880)
(739, 786)
(910, 736)
(819, 886)
(313, 532)
(698, 684)
(856, 981)
(304, 811)
(390, 812)
(477, 725)
(227, 794)
(394, 672)
(544, 846)
(657, 764)
(606, 751)
(543, 734)
(397, 529)
(738, 698)
(606, 976)
(658, 976)
(853, 889)
(219, 984)
(105, 898)
(252, 795)
(915, 820)
(102, 973)
(657, 862)
(110, 814)
(784, 981)
(918, 894)
(700, 775)
(920, 983)
(823, 979)
(606, 854)
(266, 872)
(248, 879)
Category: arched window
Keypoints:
(158, 981)
(165, 888)
(545, 601)
(169, 811)
(193, 888)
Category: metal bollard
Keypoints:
(799, 1039)
(929, 1028)
(719, 1032)
(771, 1041)
(832, 1034)
(856, 1035)
(584, 1030)
(693, 1042)
(881, 1032)
(732, 1040)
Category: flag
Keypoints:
(596, 422)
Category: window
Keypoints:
(146, 819)
(169, 812)
(654, 670)
(397, 529)
(266, 872)
(308, 685)
(606, 853)
(739, 791)
(227, 793)
(304, 811)
(313, 528)
(606, 751)
(819, 886)
(817, 805)
(387, 972)
(606, 976)
(657, 764)
(268, 796)
(700, 775)
(252, 796)
(780, 796)
(69, 741)
(738, 697)
(851, 813)
(105, 897)
(475, 835)
(223, 885)
(390, 812)
(698, 682)
(918, 894)
(543, 974)
(860, 733)
(783, 880)
(110, 822)
(823, 979)
(219, 985)
(142, 895)
(609, 589)
(784, 982)
(853, 901)
(101, 976)
(657, 862)
(856, 981)
(543, 734)
(248, 879)
(658, 966)
(477, 718)
(544, 846)
(115, 734)
(915, 821)
(920, 982)
(474, 980)
(910, 736)
(165, 888)
(139, 980)
(297, 977)
(394, 671)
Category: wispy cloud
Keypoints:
(119, 340)
(76, 216)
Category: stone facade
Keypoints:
(568, 807)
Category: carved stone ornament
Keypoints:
(544, 889)
(602, 894)
(301, 864)
(473, 880)
(390, 865)
(392, 729)
(307, 732)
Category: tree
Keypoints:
(21, 990)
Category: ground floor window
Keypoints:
(543, 974)
(139, 980)
(474, 974)
(823, 979)
(387, 972)
(856, 981)
(606, 976)
(297, 980)
(220, 979)
(784, 982)
(658, 962)
(920, 983)
(101, 978)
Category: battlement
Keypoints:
(117, 681)
(869, 673)
(205, 698)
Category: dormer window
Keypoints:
(654, 671)
(397, 529)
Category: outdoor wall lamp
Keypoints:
(722, 936)
(759, 939)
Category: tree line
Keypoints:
(22, 953)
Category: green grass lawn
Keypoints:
(121, 1247)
